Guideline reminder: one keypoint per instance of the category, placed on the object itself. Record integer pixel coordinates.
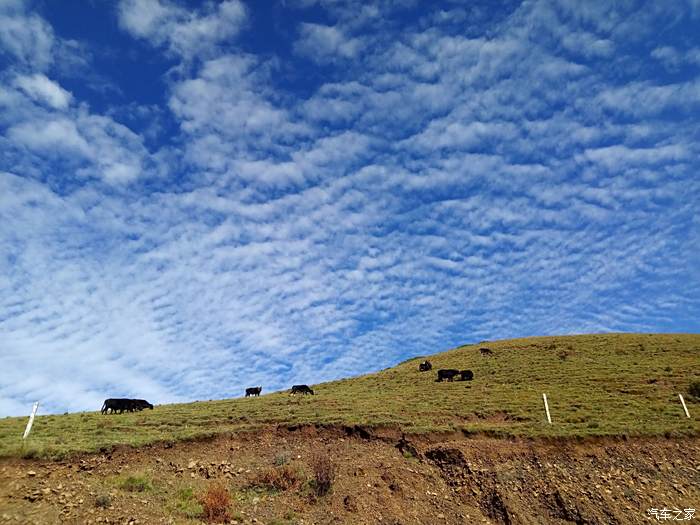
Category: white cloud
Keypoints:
(323, 43)
(26, 37)
(185, 33)
(111, 151)
(442, 187)
(587, 44)
(42, 88)
(645, 98)
(673, 59)
(147, 18)
(230, 116)
(462, 135)
(618, 157)
(60, 135)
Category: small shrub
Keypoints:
(324, 472)
(135, 484)
(215, 503)
(30, 453)
(694, 389)
(278, 478)
(282, 459)
(103, 501)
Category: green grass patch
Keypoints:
(187, 504)
(597, 385)
(135, 483)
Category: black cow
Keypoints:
(425, 366)
(485, 351)
(467, 375)
(302, 389)
(139, 404)
(115, 404)
(253, 391)
(123, 404)
(448, 374)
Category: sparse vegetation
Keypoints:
(102, 501)
(606, 376)
(282, 458)
(323, 470)
(135, 483)
(279, 478)
(694, 389)
(216, 503)
(30, 452)
(288, 519)
(187, 504)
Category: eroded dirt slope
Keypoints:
(380, 478)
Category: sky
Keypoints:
(200, 197)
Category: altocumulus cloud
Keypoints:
(195, 199)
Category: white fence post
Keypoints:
(546, 408)
(687, 414)
(31, 420)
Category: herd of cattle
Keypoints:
(448, 374)
(130, 405)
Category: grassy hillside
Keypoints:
(614, 384)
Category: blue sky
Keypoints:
(196, 198)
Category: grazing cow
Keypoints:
(123, 404)
(139, 404)
(448, 374)
(253, 391)
(467, 375)
(302, 389)
(485, 351)
(115, 404)
(425, 366)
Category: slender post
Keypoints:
(546, 408)
(687, 414)
(31, 420)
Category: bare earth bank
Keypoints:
(380, 478)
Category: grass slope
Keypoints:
(612, 384)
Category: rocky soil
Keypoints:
(381, 477)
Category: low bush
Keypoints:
(282, 459)
(103, 501)
(280, 478)
(323, 470)
(216, 502)
(694, 389)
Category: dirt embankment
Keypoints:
(380, 478)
